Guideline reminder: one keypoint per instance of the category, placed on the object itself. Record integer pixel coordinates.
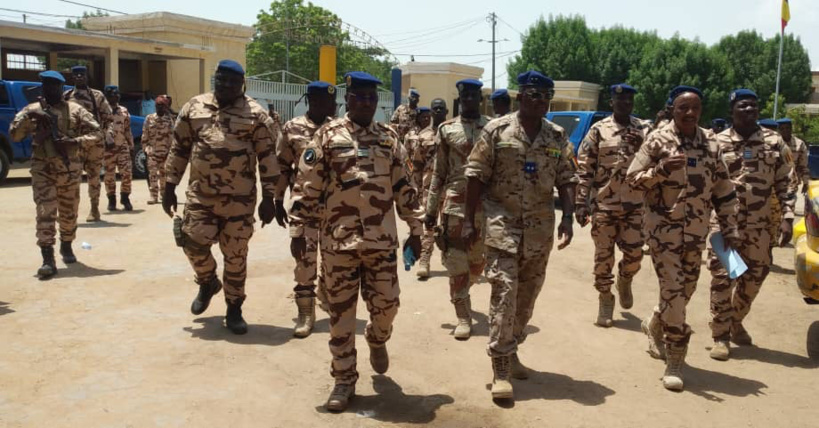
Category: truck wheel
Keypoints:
(5, 165)
(813, 341)
(140, 167)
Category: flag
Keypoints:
(786, 14)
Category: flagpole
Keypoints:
(779, 72)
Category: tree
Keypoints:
(805, 126)
(289, 35)
(77, 25)
(618, 51)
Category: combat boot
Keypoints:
(307, 316)
(519, 371)
(721, 350)
(605, 310)
(206, 291)
(340, 397)
(463, 310)
(49, 267)
(675, 358)
(125, 198)
(423, 265)
(67, 253)
(652, 328)
(501, 386)
(112, 202)
(94, 214)
(153, 201)
(233, 320)
(624, 291)
(379, 359)
(740, 336)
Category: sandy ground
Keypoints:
(110, 342)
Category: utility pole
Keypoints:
(493, 19)
(24, 18)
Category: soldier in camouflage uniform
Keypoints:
(118, 155)
(157, 138)
(93, 152)
(758, 164)
(295, 137)
(223, 135)
(423, 166)
(454, 140)
(799, 151)
(354, 170)
(617, 218)
(515, 166)
(58, 128)
(681, 171)
(501, 102)
(403, 119)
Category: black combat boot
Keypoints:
(112, 202)
(233, 320)
(126, 201)
(206, 291)
(67, 252)
(49, 267)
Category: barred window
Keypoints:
(25, 62)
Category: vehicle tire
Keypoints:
(5, 165)
(140, 163)
(813, 341)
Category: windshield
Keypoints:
(568, 122)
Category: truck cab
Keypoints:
(576, 123)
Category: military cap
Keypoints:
(468, 83)
(679, 90)
(79, 69)
(784, 121)
(414, 93)
(360, 78)
(622, 88)
(51, 74)
(320, 87)
(669, 102)
(500, 93)
(768, 123)
(420, 110)
(231, 66)
(534, 78)
(741, 94)
(719, 122)
(110, 88)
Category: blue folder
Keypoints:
(730, 259)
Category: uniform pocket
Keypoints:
(382, 161)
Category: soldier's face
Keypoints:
(52, 90)
(786, 129)
(413, 101)
(439, 110)
(745, 113)
(161, 109)
(322, 105)
(228, 86)
(622, 104)
(501, 106)
(687, 111)
(534, 102)
(424, 119)
(112, 97)
(80, 79)
(361, 104)
(470, 101)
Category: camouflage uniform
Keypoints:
(157, 139)
(603, 159)
(758, 167)
(678, 209)
(93, 151)
(799, 150)
(56, 186)
(356, 174)
(118, 155)
(520, 176)
(422, 155)
(223, 146)
(404, 120)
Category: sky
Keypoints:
(452, 28)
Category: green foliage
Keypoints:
(766, 110)
(805, 126)
(77, 25)
(307, 27)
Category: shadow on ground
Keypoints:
(707, 383)
(81, 270)
(102, 224)
(5, 309)
(213, 329)
(630, 322)
(480, 325)
(121, 211)
(772, 356)
(554, 386)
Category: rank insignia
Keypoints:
(692, 162)
(554, 153)
(530, 167)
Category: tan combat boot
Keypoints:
(605, 311)
(740, 336)
(379, 359)
(721, 350)
(463, 310)
(307, 316)
(501, 386)
(423, 267)
(675, 358)
(624, 291)
(94, 215)
(652, 328)
(519, 371)
(340, 397)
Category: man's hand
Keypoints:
(298, 247)
(169, 199)
(582, 216)
(414, 242)
(38, 116)
(468, 232)
(565, 233)
(429, 221)
(267, 210)
(787, 232)
(674, 162)
(281, 214)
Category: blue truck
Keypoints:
(576, 123)
(14, 95)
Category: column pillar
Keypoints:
(112, 66)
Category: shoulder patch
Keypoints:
(310, 156)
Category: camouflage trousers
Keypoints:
(118, 158)
(373, 273)
(57, 198)
(305, 272)
(678, 269)
(464, 263)
(156, 174)
(427, 245)
(776, 221)
(621, 228)
(516, 281)
(731, 299)
(91, 157)
(227, 220)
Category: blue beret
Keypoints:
(768, 123)
(500, 93)
(719, 122)
(79, 69)
(414, 92)
(51, 74)
(669, 101)
(231, 66)
(534, 78)
(468, 83)
(110, 88)
(742, 94)
(423, 110)
(319, 87)
(622, 88)
(360, 78)
(784, 121)
(679, 90)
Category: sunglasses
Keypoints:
(363, 98)
(536, 94)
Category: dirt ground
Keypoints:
(110, 342)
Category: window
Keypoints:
(25, 62)
(568, 122)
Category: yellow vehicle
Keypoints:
(806, 259)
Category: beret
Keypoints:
(500, 93)
(468, 83)
(79, 69)
(320, 87)
(622, 88)
(740, 94)
(360, 78)
(231, 66)
(51, 74)
(679, 90)
(534, 78)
